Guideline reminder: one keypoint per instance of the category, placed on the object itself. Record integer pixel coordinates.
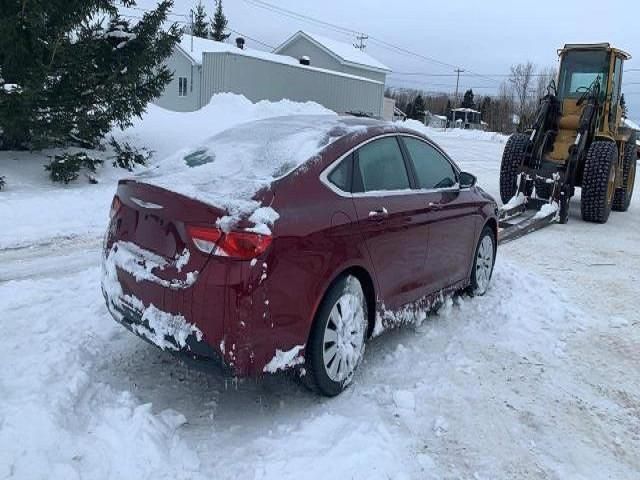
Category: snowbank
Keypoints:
(167, 132)
(476, 135)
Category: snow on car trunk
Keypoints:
(230, 168)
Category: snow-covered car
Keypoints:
(287, 242)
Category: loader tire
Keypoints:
(598, 181)
(622, 197)
(512, 160)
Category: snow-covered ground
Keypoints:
(537, 380)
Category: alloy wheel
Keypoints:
(344, 335)
(484, 264)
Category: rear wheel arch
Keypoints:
(366, 281)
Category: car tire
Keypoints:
(597, 187)
(337, 341)
(512, 160)
(483, 262)
(622, 197)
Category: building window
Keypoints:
(182, 86)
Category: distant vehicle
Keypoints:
(377, 221)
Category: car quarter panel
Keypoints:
(314, 240)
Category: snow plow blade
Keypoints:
(523, 219)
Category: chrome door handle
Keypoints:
(435, 206)
(381, 212)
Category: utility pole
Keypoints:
(458, 71)
(192, 30)
(361, 39)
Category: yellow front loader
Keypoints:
(578, 139)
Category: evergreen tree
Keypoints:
(75, 68)
(468, 101)
(200, 24)
(417, 112)
(219, 24)
(409, 109)
(485, 106)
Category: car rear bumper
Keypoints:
(196, 352)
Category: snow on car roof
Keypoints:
(228, 169)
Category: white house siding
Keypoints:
(259, 79)
(181, 66)
(388, 109)
(301, 47)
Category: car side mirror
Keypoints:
(467, 180)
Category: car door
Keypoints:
(449, 211)
(385, 206)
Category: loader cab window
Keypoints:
(615, 91)
(580, 69)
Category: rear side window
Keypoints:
(382, 166)
(433, 170)
(341, 175)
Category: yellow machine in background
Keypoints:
(578, 139)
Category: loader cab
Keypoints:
(587, 70)
(579, 70)
(582, 68)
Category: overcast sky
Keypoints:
(485, 37)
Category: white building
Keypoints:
(332, 75)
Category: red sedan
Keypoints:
(285, 243)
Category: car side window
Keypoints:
(432, 169)
(341, 175)
(382, 166)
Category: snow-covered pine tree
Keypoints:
(200, 24)
(72, 69)
(219, 24)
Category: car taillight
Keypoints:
(205, 238)
(244, 245)
(116, 205)
(238, 245)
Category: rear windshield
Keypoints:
(230, 167)
(270, 147)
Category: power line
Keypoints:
(251, 38)
(299, 16)
(137, 17)
(451, 86)
(425, 74)
(344, 30)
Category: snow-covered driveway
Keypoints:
(537, 380)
